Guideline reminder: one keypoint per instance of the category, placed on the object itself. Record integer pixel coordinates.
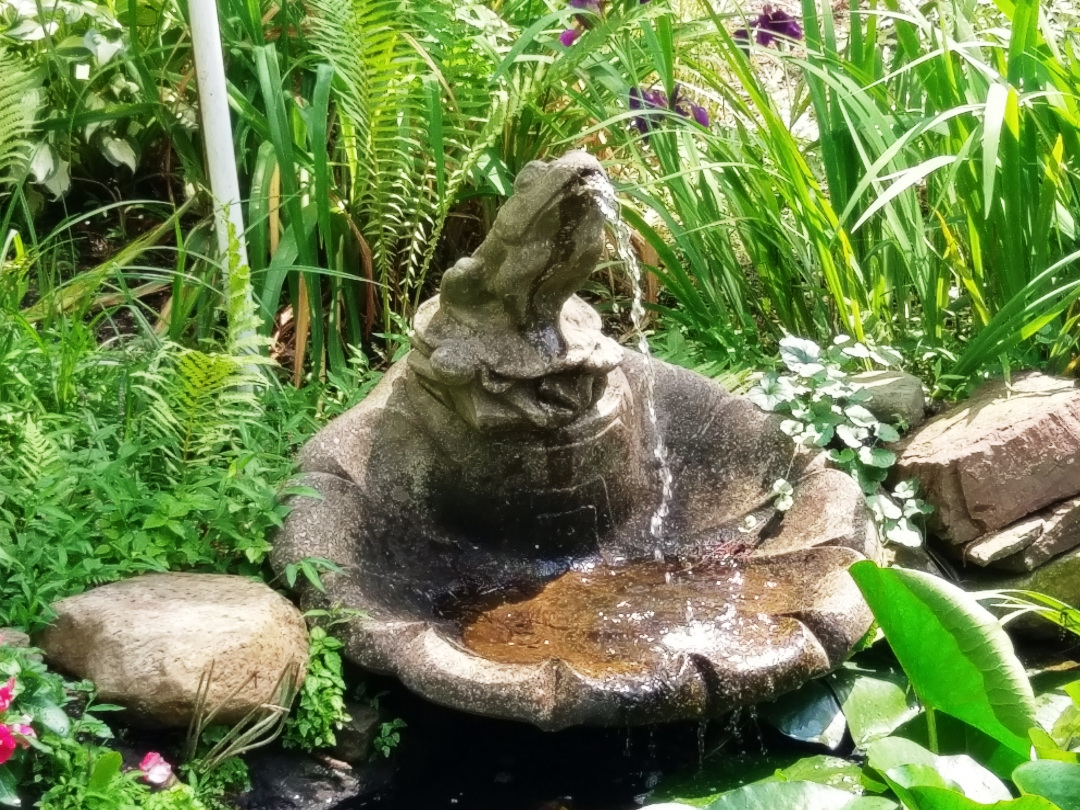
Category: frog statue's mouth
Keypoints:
(507, 344)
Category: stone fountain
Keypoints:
(498, 505)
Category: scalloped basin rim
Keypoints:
(800, 625)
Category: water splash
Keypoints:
(626, 254)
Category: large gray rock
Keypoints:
(894, 396)
(999, 456)
(519, 455)
(146, 642)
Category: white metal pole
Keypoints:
(220, 158)
(216, 126)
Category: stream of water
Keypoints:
(625, 252)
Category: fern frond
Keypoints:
(19, 104)
(37, 452)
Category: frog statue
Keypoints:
(542, 525)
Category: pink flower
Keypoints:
(569, 36)
(24, 732)
(7, 744)
(7, 693)
(155, 769)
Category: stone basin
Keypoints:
(498, 509)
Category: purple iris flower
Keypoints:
(771, 26)
(569, 36)
(646, 100)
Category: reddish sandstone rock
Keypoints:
(997, 457)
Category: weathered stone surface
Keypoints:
(145, 643)
(292, 781)
(10, 637)
(894, 395)
(1059, 578)
(915, 558)
(992, 547)
(997, 457)
(354, 738)
(1058, 531)
(514, 455)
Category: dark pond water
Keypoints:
(460, 762)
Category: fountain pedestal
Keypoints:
(492, 504)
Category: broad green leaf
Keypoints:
(47, 713)
(803, 795)
(832, 771)
(877, 457)
(935, 798)
(105, 769)
(8, 795)
(874, 704)
(798, 353)
(809, 714)
(720, 773)
(953, 651)
(1057, 781)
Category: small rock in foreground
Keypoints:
(145, 643)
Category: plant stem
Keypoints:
(931, 729)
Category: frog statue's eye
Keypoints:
(532, 171)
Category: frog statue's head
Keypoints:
(507, 344)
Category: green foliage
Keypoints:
(229, 778)
(89, 108)
(955, 653)
(389, 736)
(321, 708)
(180, 797)
(65, 763)
(90, 778)
(18, 109)
(826, 410)
(910, 185)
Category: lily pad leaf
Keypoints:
(953, 650)
(936, 798)
(803, 795)
(809, 714)
(875, 704)
(1057, 781)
